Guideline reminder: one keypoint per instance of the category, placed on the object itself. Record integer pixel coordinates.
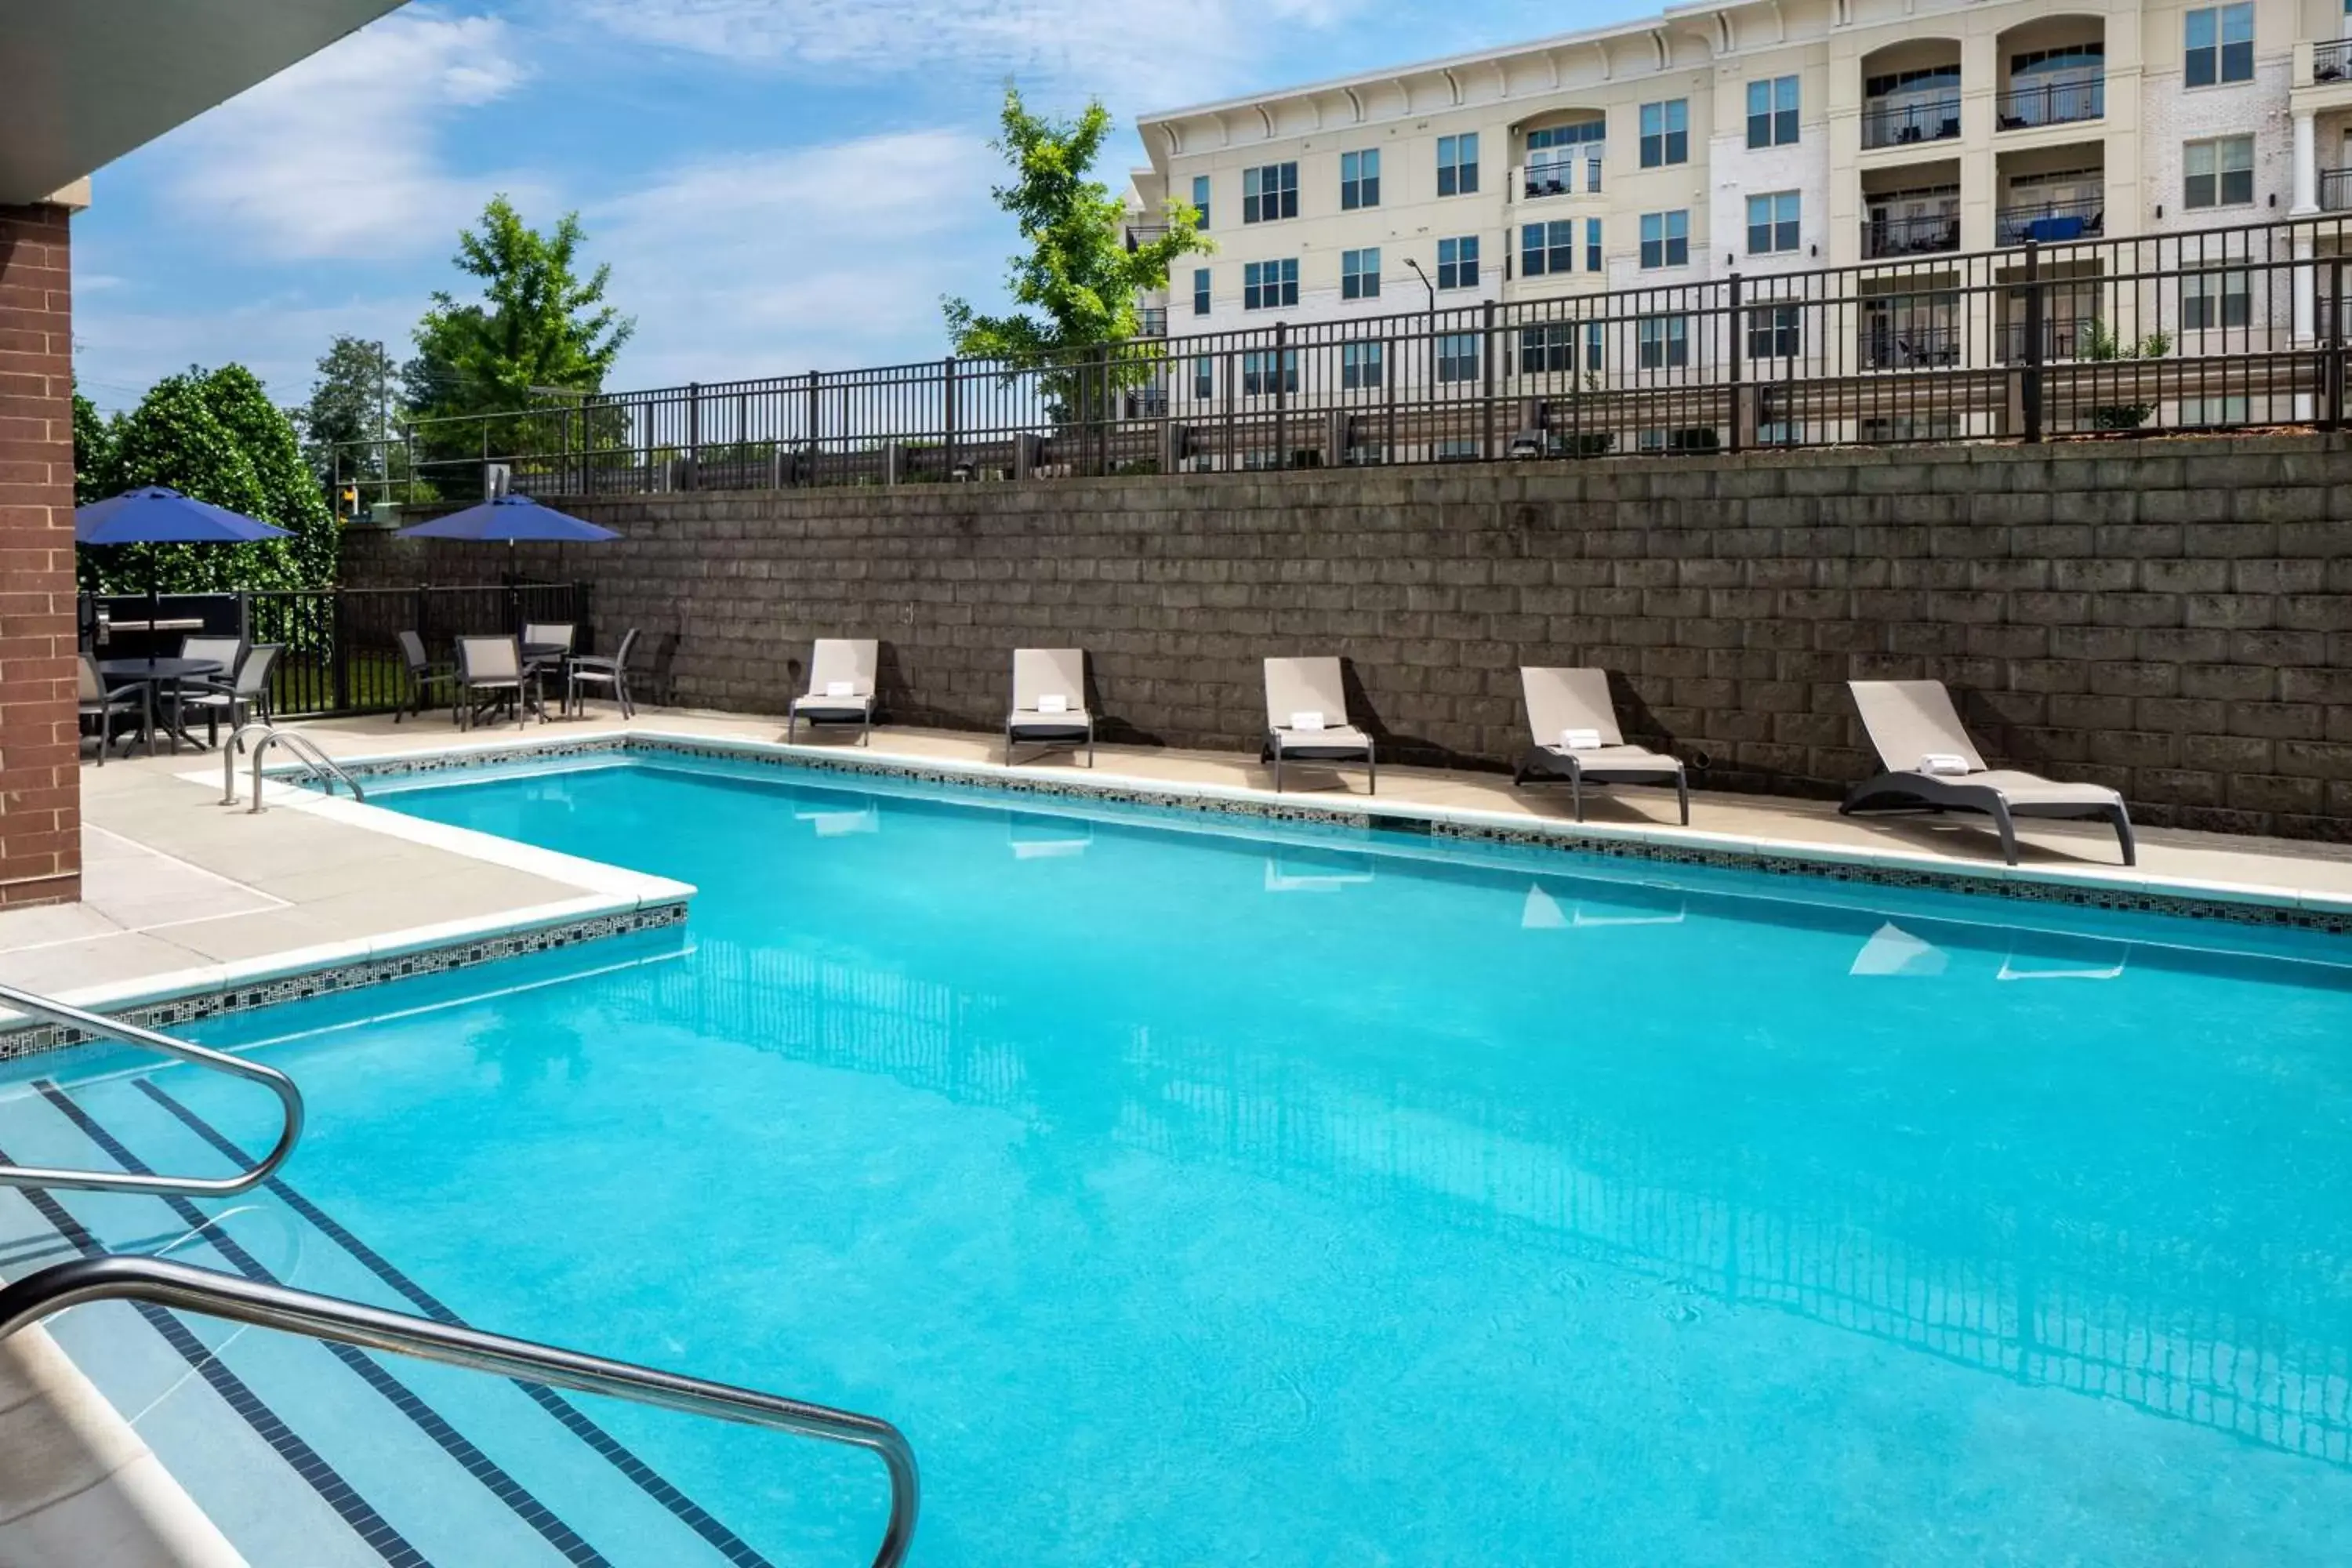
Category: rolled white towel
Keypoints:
(1944, 763)
(1053, 703)
(1308, 718)
(1580, 739)
(841, 688)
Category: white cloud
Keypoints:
(1157, 54)
(820, 257)
(118, 355)
(338, 155)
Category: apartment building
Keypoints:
(1761, 138)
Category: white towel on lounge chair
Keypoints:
(1312, 718)
(1580, 739)
(1944, 764)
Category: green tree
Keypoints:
(93, 451)
(216, 436)
(1077, 274)
(349, 418)
(540, 330)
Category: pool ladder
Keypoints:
(210, 1293)
(316, 764)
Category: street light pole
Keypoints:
(1425, 283)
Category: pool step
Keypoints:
(372, 1454)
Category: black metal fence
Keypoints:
(342, 647)
(2209, 330)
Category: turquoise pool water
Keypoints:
(1193, 1192)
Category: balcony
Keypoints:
(1563, 176)
(1139, 235)
(1153, 323)
(1927, 344)
(1922, 234)
(2331, 61)
(2335, 190)
(2052, 103)
(1900, 124)
(2049, 222)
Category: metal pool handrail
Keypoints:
(277, 1082)
(315, 763)
(224, 1296)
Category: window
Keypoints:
(1773, 223)
(1257, 372)
(2209, 300)
(1269, 285)
(1547, 349)
(1772, 112)
(1661, 342)
(1665, 238)
(1201, 197)
(1457, 263)
(1205, 377)
(1553, 152)
(1199, 291)
(1457, 164)
(2221, 45)
(1547, 248)
(1457, 356)
(1359, 274)
(1592, 245)
(1269, 192)
(1360, 366)
(2219, 172)
(1666, 132)
(1776, 331)
(1359, 179)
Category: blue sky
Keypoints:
(779, 185)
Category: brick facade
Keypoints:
(2170, 617)
(40, 833)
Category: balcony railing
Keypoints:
(1564, 176)
(2050, 103)
(2331, 61)
(2335, 190)
(2049, 222)
(1153, 321)
(1898, 124)
(1919, 234)
(1928, 344)
(1139, 235)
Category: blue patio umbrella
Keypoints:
(513, 519)
(158, 514)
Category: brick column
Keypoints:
(40, 789)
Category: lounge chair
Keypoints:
(1307, 719)
(1577, 738)
(1933, 766)
(841, 687)
(490, 672)
(1049, 700)
(93, 699)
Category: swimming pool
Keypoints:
(1195, 1190)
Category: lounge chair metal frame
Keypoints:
(1034, 670)
(1916, 718)
(1554, 698)
(1290, 683)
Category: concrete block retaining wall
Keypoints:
(2172, 617)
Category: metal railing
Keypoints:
(2331, 61)
(1922, 234)
(2083, 217)
(2050, 103)
(1559, 176)
(1899, 124)
(1152, 321)
(2334, 189)
(229, 1299)
(288, 1096)
(315, 763)
(1665, 368)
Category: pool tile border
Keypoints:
(169, 1012)
(2088, 887)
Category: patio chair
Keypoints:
(1307, 719)
(1933, 766)
(600, 670)
(841, 687)
(424, 676)
(94, 700)
(243, 694)
(1577, 738)
(489, 674)
(1049, 700)
(223, 651)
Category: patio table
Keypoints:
(151, 675)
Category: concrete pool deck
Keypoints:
(183, 894)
